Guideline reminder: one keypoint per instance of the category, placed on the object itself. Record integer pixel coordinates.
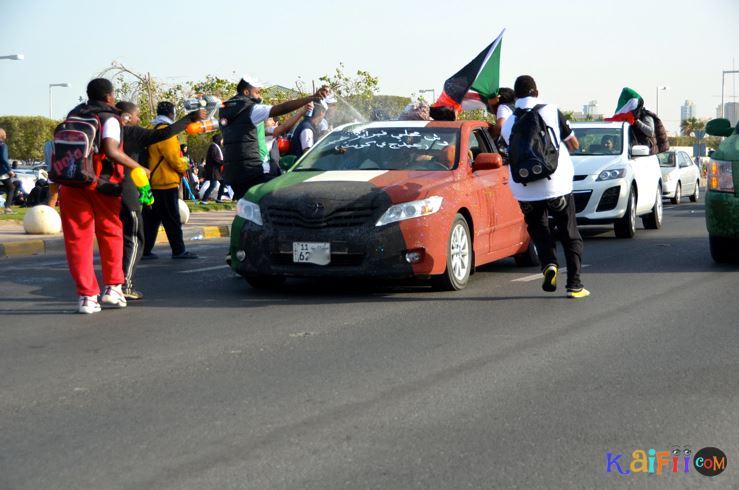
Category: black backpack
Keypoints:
(534, 150)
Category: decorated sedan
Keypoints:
(384, 200)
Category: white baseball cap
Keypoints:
(253, 81)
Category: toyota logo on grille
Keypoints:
(315, 208)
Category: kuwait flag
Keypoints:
(479, 80)
(629, 101)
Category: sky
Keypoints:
(577, 50)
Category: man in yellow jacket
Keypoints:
(167, 167)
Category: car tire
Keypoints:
(265, 282)
(696, 193)
(724, 250)
(528, 258)
(458, 258)
(678, 194)
(626, 227)
(653, 220)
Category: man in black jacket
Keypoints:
(213, 163)
(135, 141)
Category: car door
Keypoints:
(484, 183)
(646, 174)
(687, 173)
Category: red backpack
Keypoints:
(78, 160)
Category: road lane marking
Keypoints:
(534, 277)
(204, 269)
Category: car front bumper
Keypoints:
(722, 214)
(600, 202)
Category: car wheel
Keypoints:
(626, 226)
(724, 250)
(458, 258)
(678, 194)
(265, 282)
(528, 258)
(653, 220)
(696, 192)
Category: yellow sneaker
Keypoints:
(578, 293)
(550, 278)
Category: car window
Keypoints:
(363, 147)
(477, 143)
(666, 159)
(598, 141)
(684, 160)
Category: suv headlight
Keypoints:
(412, 209)
(611, 174)
(249, 211)
(720, 176)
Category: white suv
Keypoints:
(615, 182)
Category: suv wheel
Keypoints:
(626, 226)
(653, 220)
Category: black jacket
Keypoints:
(240, 144)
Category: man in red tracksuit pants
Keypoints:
(87, 213)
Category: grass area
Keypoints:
(19, 213)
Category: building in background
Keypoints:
(731, 112)
(591, 109)
(687, 110)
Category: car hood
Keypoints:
(593, 164)
(365, 187)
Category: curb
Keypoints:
(43, 246)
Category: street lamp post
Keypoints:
(51, 85)
(723, 77)
(660, 87)
(12, 57)
(433, 93)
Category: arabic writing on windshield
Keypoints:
(384, 149)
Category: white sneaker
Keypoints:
(88, 305)
(113, 296)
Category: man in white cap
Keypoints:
(242, 125)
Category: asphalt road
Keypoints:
(210, 384)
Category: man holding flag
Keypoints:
(630, 109)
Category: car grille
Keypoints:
(337, 260)
(581, 200)
(340, 218)
(609, 199)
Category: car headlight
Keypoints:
(249, 211)
(412, 209)
(610, 174)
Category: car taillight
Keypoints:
(720, 176)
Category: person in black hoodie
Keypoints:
(213, 163)
(135, 141)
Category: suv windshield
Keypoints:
(598, 141)
(384, 148)
(666, 159)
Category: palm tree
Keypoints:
(691, 124)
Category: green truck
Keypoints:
(722, 193)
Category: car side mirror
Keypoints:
(487, 161)
(640, 151)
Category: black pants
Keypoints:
(9, 187)
(212, 186)
(164, 211)
(249, 178)
(562, 211)
(133, 230)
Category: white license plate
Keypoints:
(312, 253)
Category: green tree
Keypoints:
(27, 135)
(691, 124)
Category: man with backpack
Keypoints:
(541, 180)
(88, 165)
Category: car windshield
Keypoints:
(384, 148)
(598, 141)
(666, 159)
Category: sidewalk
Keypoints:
(15, 242)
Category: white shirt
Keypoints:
(323, 125)
(306, 139)
(269, 140)
(503, 112)
(560, 182)
(112, 129)
(260, 113)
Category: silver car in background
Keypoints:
(680, 176)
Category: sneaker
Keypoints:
(149, 257)
(204, 203)
(113, 296)
(578, 293)
(550, 278)
(131, 294)
(8, 211)
(185, 255)
(88, 305)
